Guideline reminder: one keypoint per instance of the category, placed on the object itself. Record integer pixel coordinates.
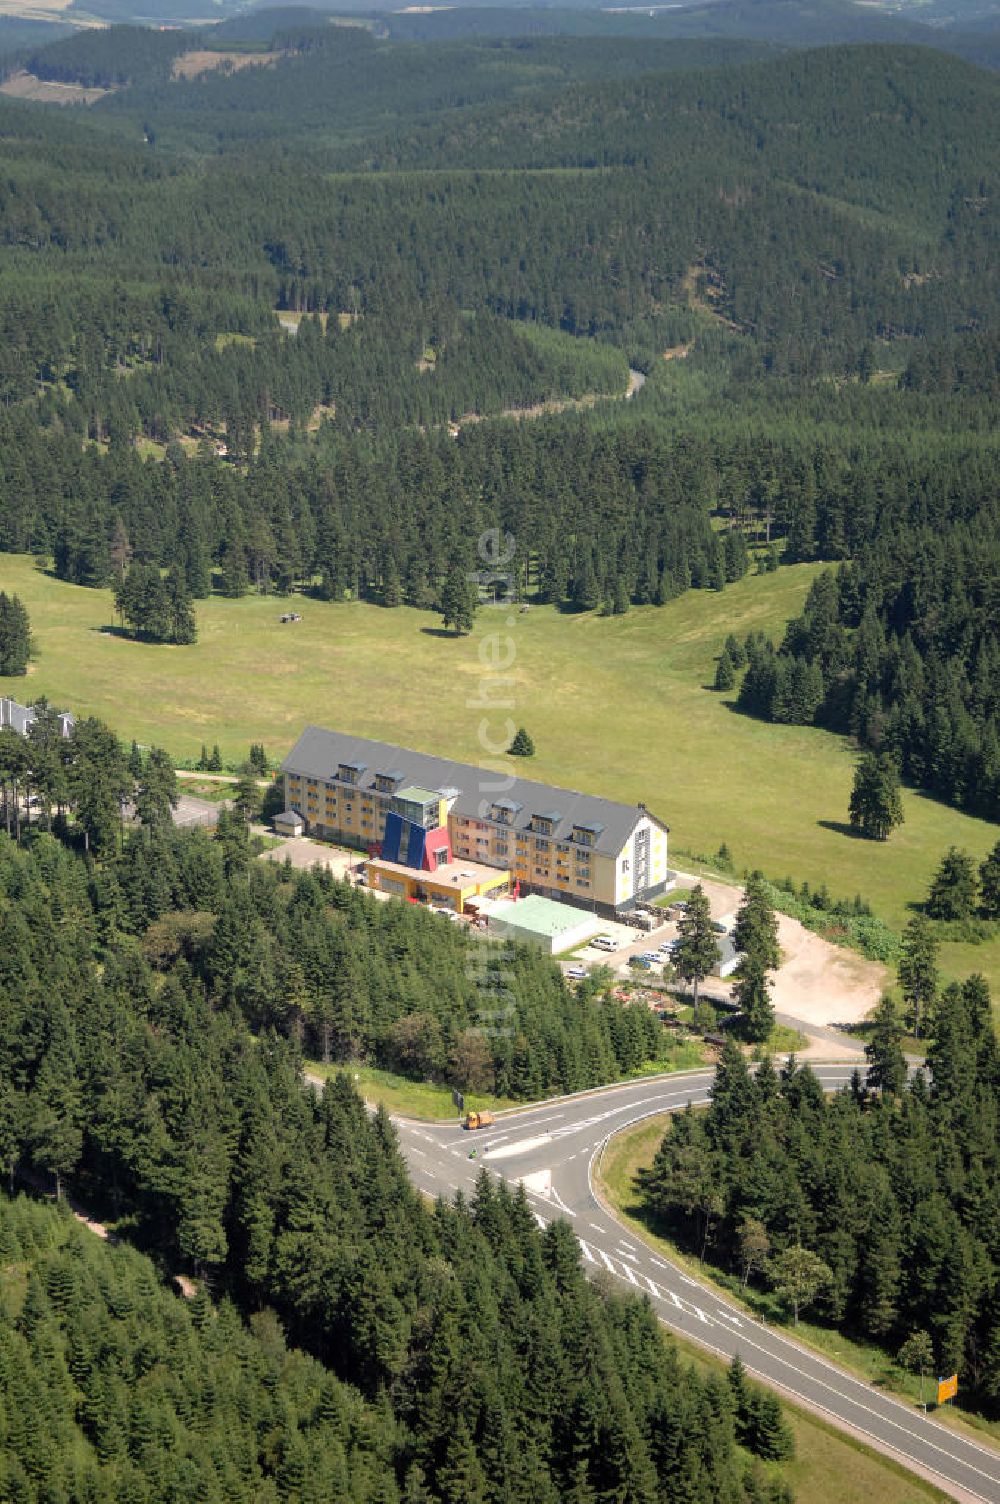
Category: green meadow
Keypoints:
(616, 705)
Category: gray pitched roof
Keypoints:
(21, 717)
(318, 753)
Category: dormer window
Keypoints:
(586, 835)
(545, 822)
(350, 772)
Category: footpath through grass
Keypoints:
(614, 1178)
(616, 705)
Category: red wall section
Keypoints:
(437, 848)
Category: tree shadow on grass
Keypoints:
(443, 632)
(842, 828)
(111, 629)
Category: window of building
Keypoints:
(541, 845)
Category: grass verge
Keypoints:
(433, 1101)
(829, 1467)
(614, 1178)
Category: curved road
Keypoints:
(553, 1147)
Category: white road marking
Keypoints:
(586, 1252)
(521, 1146)
(560, 1203)
(654, 1289)
(607, 1262)
(629, 1275)
(541, 1222)
(624, 1253)
(595, 1227)
(659, 1263)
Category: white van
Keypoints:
(604, 942)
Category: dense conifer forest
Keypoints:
(149, 1065)
(891, 1187)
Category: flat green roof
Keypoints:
(418, 796)
(542, 916)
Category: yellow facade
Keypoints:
(573, 870)
(452, 886)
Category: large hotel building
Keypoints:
(428, 821)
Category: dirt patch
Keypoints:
(195, 64)
(24, 85)
(817, 983)
(679, 352)
(704, 288)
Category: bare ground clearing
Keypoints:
(194, 64)
(24, 85)
(818, 983)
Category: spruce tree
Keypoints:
(953, 892)
(725, 678)
(884, 1051)
(522, 745)
(876, 806)
(989, 885)
(697, 950)
(918, 974)
(15, 636)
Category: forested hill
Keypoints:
(465, 1357)
(464, 230)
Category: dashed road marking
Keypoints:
(607, 1262)
(586, 1252)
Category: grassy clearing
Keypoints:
(616, 705)
(409, 1099)
(615, 1179)
(432, 1101)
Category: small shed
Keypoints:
(289, 823)
(729, 957)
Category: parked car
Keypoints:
(604, 942)
(576, 973)
(720, 929)
(640, 963)
(651, 955)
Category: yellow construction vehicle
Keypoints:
(478, 1120)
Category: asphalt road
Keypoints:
(553, 1148)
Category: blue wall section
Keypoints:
(403, 842)
(393, 837)
(415, 846)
